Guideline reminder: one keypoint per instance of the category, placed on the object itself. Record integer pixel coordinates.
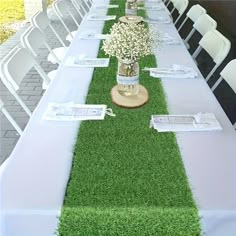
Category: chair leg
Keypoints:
(26, 109)
(216, 83)
(176, 21)
(212, 72)
(12, 121)
(168, 3)
(189, 36)
(197, 51)
(181, 26)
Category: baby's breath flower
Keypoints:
(130, 41)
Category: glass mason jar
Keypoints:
(128, 77)
(131, 8)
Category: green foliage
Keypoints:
(49, 2)
(10, 11)
(127, 179)
(5, 33)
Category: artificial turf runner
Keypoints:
(126, 178)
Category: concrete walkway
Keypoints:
(31, 87)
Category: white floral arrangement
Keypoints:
(130, 41)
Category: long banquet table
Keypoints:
(33, 180)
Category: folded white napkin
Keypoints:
(177, 71)
(82, 61)
(100, 18)
(75, 112)
(178, 123)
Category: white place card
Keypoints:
(105, 6)
(180, 123)
(87, 62)
(176, 71)
(74, 112)
(100, 18)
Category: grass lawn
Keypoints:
(127, 179)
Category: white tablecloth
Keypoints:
(33, 180)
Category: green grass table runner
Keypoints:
(126, 178)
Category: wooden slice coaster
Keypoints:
(137, 100)
(131, 19)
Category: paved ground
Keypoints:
(31, 87)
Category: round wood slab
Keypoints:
(131, 19)
(137, 100)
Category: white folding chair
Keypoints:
(228, 74)
(216, 45)
(33, 39)
(193, 14)
(9, 117)
(41, 21)
(203, 24)
(61, 8)
(180, 6)
(13, 68)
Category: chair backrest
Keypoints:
(193, 14)
(60, 8)
(15, 65)
(33, 39)
(228, 74)
(180, 6)
(9, 117)
(13, 68)
(41, 21)
(216, 45)
(195, 11)
(204, 24)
